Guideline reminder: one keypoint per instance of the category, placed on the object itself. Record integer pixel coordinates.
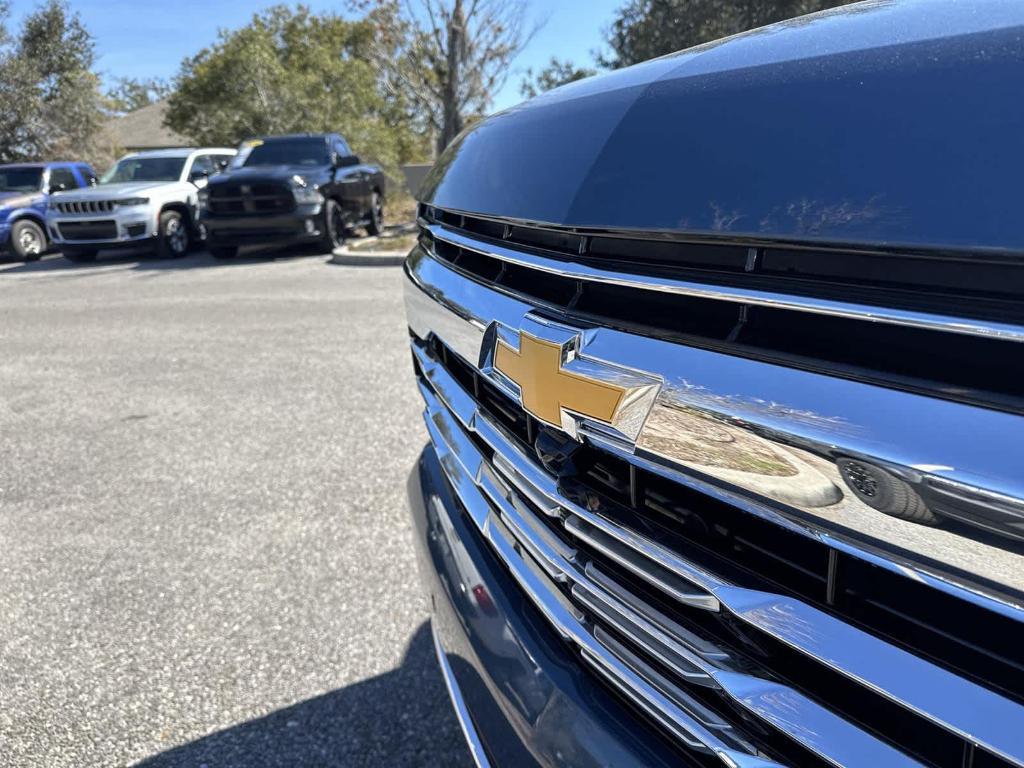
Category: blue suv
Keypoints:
(24, 191)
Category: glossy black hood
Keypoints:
(883, 124)
(311, 174)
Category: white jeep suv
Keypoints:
(147, 198)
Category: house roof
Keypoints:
(144, 129)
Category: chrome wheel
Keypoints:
(29, 242)
(861, 479)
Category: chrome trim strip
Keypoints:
(635, 625)
(816, 728)
(632, 559)
(925, 437)
(866, 312)
(684, 725)
(951, 702)
(476, 746)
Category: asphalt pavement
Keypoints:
(205, 555)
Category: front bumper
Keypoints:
(304, 224)
(130, 227)
(520, 694)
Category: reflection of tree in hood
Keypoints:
(646, 29)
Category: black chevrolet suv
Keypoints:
(721, 362)
(306, 188)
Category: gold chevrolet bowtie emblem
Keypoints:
(546, 387)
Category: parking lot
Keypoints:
(206, 554)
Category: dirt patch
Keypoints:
(402, 242)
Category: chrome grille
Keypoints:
(86, 206)
(670, 623)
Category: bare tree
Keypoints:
(449, 57)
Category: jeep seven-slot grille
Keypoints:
(86, 206)
(971, 368)
(257, 198)
(758, 555)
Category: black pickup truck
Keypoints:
(306, 188)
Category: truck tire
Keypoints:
(333, 235)
(223, 251)
(885, 492)
(376, 217)
(28, 240)
(172, 238)
(79, 255)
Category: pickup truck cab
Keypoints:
(146, 199)
(24, 191)
(292, 189)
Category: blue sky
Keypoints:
(149, 38)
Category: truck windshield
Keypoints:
(21, 179)
(145, 169)
(288, 152)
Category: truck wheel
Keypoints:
(172, 238)
(333, 227)
(78, 255)
(885, 492)
(223, 251)
(376, 225)
(28, 241)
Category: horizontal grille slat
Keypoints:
(945, 356)
(982, 285)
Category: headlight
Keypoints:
(306, 195)
(128, 202)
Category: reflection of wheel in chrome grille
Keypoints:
(885, 492)
(860, 479)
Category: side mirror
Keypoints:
(346, 162)
(199, 177)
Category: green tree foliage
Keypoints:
(132, 93)
(289, 71)
(50, 102)
(645, 29)
(556, 73)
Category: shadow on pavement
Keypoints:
(144, 261)
(367, 260)
(400, 718)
